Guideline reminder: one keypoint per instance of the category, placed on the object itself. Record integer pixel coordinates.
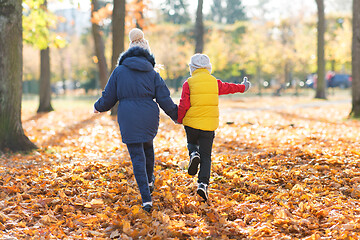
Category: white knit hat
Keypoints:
(137, 39)
(199, 61)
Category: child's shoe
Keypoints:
(194, 163)
(202, 191)
(147, 206)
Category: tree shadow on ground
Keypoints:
(36, 117)
(73, 130)
(314, 119)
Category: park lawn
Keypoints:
(282, 169)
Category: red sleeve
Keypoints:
(227, 88)
(184, 103)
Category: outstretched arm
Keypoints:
(230, 88)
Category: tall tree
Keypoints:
(44, 85)
(227, 11)
(135, 10)
(118, 31)
(321, 84)
(257, 53)
(287, 35)
(199, 28)
(217, 11)
(338, 33)
(175, 11)
(36, 24)
(234, 11)
(99, 45)
(118, 36)
(11, 132)
(355, 111)
(140, 14)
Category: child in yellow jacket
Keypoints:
(199, 113)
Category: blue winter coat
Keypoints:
(135, 84)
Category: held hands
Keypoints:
(246, 83)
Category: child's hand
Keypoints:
(95, 111)
(246, 83)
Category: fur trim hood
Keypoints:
(137, 52)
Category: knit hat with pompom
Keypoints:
(199, 61)
(137, 39)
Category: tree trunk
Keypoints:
(118, 36)
(44, 86)
(99, 47)
(140, 20)
(321, 84)
(12, 135)
(333, 65)
(62, 69)
(287, 72)
(118, 31)
(355, 111)
(199, 28)
(258, 79)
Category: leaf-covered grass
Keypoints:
(281, 169)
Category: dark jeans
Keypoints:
(142, 158)
(201, 141)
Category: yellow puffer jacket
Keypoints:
(204, 99)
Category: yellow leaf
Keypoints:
(297, 188)
(212, 217)
(126, 227)
(97, 202)
(115, 234)
(135, 209)
(62, 194)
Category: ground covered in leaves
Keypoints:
(283, 168)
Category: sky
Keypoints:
(276, 7)
(85, 4)
(63, 4)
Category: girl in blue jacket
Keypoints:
(136, 86)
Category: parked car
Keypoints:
(340, 80)
(332, 80)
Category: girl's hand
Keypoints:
(246, 83)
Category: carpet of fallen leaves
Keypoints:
(283, 168)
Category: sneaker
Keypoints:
(194, 163)
(202, 191)
(147, 206)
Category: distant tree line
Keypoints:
(221, 11)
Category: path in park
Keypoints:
(314, 104)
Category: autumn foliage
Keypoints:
(134, 18)
(283, 168)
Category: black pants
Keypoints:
(201, 141)
(142, 158)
